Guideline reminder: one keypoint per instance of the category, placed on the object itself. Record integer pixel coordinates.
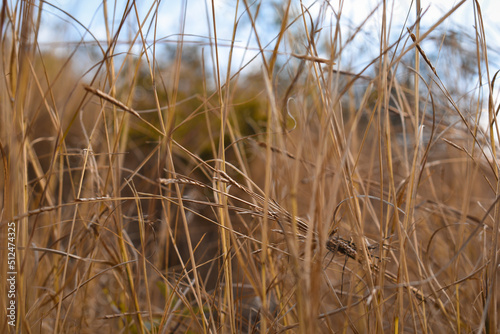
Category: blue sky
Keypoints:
(59, 29)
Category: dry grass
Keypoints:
(154, 196)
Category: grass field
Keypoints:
(152, 184)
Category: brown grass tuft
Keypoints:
(164, 185)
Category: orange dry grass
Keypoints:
(149, 197)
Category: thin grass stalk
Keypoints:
(227, 314)
(22, 54)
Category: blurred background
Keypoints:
(251, 166)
